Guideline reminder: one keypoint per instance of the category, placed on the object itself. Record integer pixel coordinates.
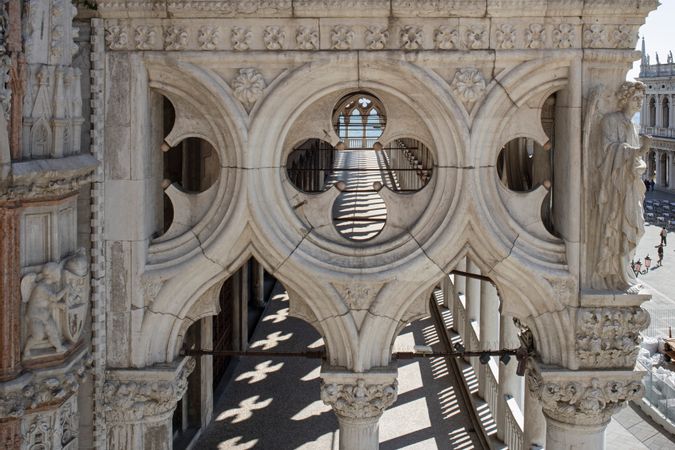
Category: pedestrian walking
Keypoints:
(660, 252)
(663, 234)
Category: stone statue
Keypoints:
(41, 292)
(670, 57)
(57, 301)
(619, 192)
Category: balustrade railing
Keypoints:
(513, 424)
(659, 132)
(492, 385)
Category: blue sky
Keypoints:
(659, 34)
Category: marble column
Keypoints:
(578, 405)
(489, 327)
(659, 167)
(10, 293)
(510, 384)
(534, 422)
(471, 320)
(359, 400)
(460, 281)
(670, 163)
(659, 111)
(460, 290)
(139, 404)
(448, 292)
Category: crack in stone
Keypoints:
(204, 252)
(148, 308)
(513, 245)
(425, 253)
(507, 93)
(276, 269)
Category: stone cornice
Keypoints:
(43, 387)
(583, 397)
(131, 395)
(48, 177)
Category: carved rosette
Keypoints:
(468, 84)
(341, 37)
(609, 337)
(248, 86)
(144, 395)
(360, 400)
(585, 399)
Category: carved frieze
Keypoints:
(144, 396)
(248, 87)
(609, 337)
(506, 36)
(45, 389)
(595, 36)
(117, 37)
(274, 38)
(145, 37)
(468, 84)
(175, 38)
(56, 303)
(241, 38)
(411, 37)
(535, 36)
(341, 37)
(446, 37)
(376, 37)
(564, 36)
(307, 38)
(585, 401)
(208, 38)
(360, 400)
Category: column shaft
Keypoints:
(489, 327)
(510, 384)
(10, 306)
(359, 434)
(564, 436)
(472, 313)
(534, 423)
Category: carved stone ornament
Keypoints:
(411, 37)
(274, 38)
(117, 37)
(341, 37)
(57, 301)
(475, 37)
(584, 401)
(307, 38)
(46, 390)
(535, 35)
(360, 400)
(133, 400)
(609, 337)
(208, 38)
(468, 84)
(446, 37)
(248, 86)
(506, 36)
(376, 37)
(563, 36)
(241, 38)
(175, 38)
(595, 35)
(624, 36)
(145, 37)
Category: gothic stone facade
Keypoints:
(98, 292)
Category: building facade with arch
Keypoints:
(158, 158)
(658, 117)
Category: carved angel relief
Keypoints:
(56, 302)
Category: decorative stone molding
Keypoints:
(475, 37)
(55, 429)
(506, 36)
(584, 397)
(307, 38)
(57, 302)
(564, 36)
(175, 38)
(207, 38)
(609, 337)
(274, 38)
(376, 37)
(357, 295)
(535, 36)
(360, 399)
(132, 395)
(44, 387)
(411, 37)
(446, 37)
(595, 36)
(145, 37)
(341, 37)
(117, 37)
(624, 36)
(241, 38)
(5, 62)
(248, 86)
(468, 84)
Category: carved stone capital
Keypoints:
(609, 336)
(145, 394)
(44, 387)
(359, 395)
(583, 398)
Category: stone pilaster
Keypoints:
(578, 405)
(10, 293)
(358, 400)
(139, 404)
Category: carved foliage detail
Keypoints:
(535, 35)
(360, 400)
(241, 38)
(609, 337)
(145, 37)
(411, 37)
(376, 37)
(564, 36)
(208, 38)
(248, 86)
(117, 37)
(468, 84)
(175, 38)
(586, 401)
(506, 36)
(307, 38)
(595, 35)
(446, 37)
(341, 37)
(274, 38)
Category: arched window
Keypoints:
(665, 113)
(652, 112)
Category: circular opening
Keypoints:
(193, 164)
(359, 120)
